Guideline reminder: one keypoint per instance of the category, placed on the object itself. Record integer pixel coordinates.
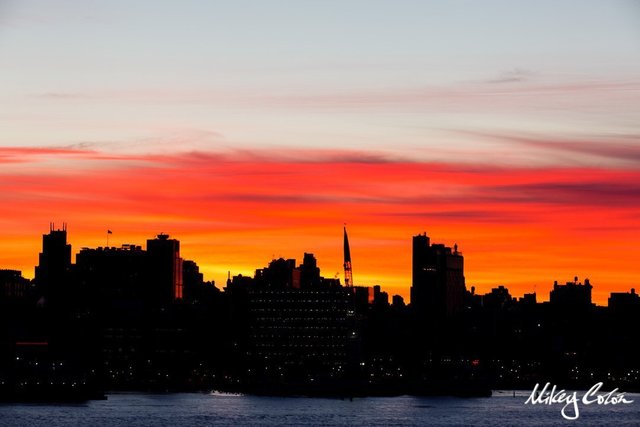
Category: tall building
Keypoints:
(438, 285)
(309, 271)
(52, 275)
(166, 266)
(192, 281)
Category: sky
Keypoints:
(251, 130)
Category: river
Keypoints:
(192, 409)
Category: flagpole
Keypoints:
(107, 238)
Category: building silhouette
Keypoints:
(195, 289)
(294, 328)
(498, 299)
(438, 284)
(111, 275)
(136, 295)
(132, 274)
(13, 286)
(380, 298)
(624, 302)
(166, 271)
(52, 274)
(309, 272)
(572, 295)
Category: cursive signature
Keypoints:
(550, 395)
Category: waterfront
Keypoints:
(192, 409)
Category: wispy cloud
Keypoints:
(517, 75)
(28, 154)
(62, 96)
(587, 194)
(625, 148)
(461, 95)
(614, 150)
(284, 154)
(495, 91)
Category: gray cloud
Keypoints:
(513, 76)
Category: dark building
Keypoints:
(192, 281)
(196, 290)
(52, 275)
(380, 298)
(52, 344)
(309, 272)
(292, 328)
(362, 297)
(529, 299)
(113, 275)
(572, 295)
(131, 274)
(438, 285)
(145, 336)
(281, 273)
(398, 301)
(164, 256)
(499, 298)
(299, 335)
(13, 285)
(624, 302)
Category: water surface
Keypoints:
(190, 409)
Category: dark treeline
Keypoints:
(130, 318)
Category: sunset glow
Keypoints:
(521, 227)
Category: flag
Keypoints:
(109, 232)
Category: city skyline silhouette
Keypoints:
(130, 317)
(543, 287)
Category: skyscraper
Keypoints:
(309, 271)
(166, 266)
(438, 286)
(52, 275)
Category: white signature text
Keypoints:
(549, 395)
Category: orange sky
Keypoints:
(522, 227)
